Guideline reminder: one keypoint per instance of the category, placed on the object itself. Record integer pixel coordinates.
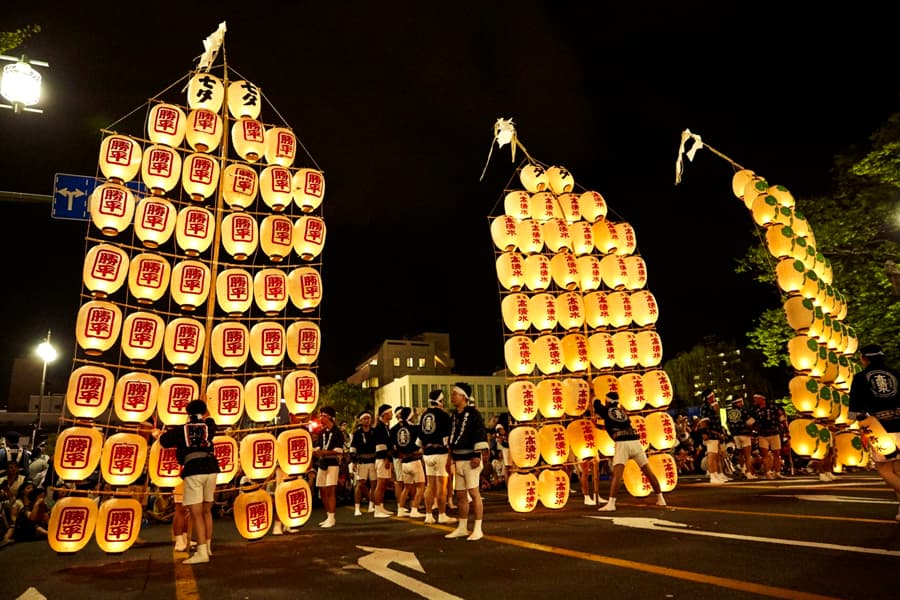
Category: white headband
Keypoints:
(459, 390)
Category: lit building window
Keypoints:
(409, 362)
(421, 363)
(396, 361)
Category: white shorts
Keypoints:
(413, 472)
(712, 446)
(436, 465)
(629, 449)
(327, 476)
(398, 470)
(770, 442)
(365, 472)
(467, 476)
(199, 488)
(178, 493)
(384, 468)
(743, 441)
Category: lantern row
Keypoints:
(573, 310)
(536, 272)
(576, 352)
(530, 236)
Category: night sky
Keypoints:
(396, 102)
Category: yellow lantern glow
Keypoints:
(243, 98)
(205, 91)
(614, 271)
(636, 482)
(294, 502)
(560, 180)
(548, 354)
(309, 189)
(780, 241)
(166, 124)
(522, 491)
(543, 207)
(257, 453)
(661, 430)
(97, 326)
(644, 309)
(142, 336)
(230, 345)
(625, 343)
(225, 401)
(305, 288)
(755, 186)
(281, 146)
(301, 391)
(112, 208)
(582, 438)
(636, 272)
(204, 130)
(239, 186)
(550, 398)
(556, 235)
(521, 401)
(553, 488)
(524, 446)
(533, 178)
(803, 352)
(621, 313)
(564, 270)
(529, 236)
(514, 309)
(588, 268)
(627, 239)
(804, 436)
(657, 388)
(154, 221)
(183, 344)
(518, 352)
(190, 284)
(789, 275)
(270, 291)
(649, 348)
(605, 444)
(570, 310)
(122, 458)
(596, 310)
(174, 395)
(262, 397)
(851, 451)
(575, 352)
(601, 351)
(666, 471)
(553, 442)
(739, 180)
(134, 397)
(576, 396)
(582, 236)
(239, 237)
(606, 237)
(234, 291)
(764, 209)
(200, 176)
(592, 206)
(226, 451)
(504, 233)
(571, 208)
(276, 186)
(516, 204)
(295, 451)
(248, 137)
(77, 453)
(120, 158)
(267, 344)
(309, 237)
(537, 272)
(163, 466)
(105, 270)
(304, 338)
(511, 270)
(800, 313)
(631, 392)
(72, 522)
(881, 440)
(253, 515)
(825, 443)
(148, 277)
(160, 169)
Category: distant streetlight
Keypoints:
(20, 84)
(48, 354)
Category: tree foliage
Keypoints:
(347, 399)
(10, 40)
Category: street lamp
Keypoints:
(48, 354)
(20, 84)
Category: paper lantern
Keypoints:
(309, 237)
(800, 313)
(244, 101)
(621, 313)
(636, 482)
(851, 451)
(627, 353)
(511, 270)
(120, 158)
(627, 240)
(596, 310)
(739, 180)
(514, 309)
(831, 369)
(190, 284)
(649, 347)
(571, 208)
(556, 235)
(601, 350)
(575, 352)
(174, 395)
(225, 448)
(248, 138)
(553, 443)
(194, 230)
(154, 221)
(294, 502)
(304, 339)
(803, 352)
(97, 326)
(582, 238)
(134, 397)
(592, 206)
(160, 169)
(658, 389)
(89, 391)
(588, 268)
(878, 436)
(148, 277)
(276, 236)
(804, 436)
(636, 272)
(142, 336)
(267, 344)
(105, 270)
(77, 453)
(524, 446)
(661, 430)
(257, 453)
(301, 392)
(521, 400)
(262, 398)
(230, 345)
(548, 354)
(276, 187)
(666, 471)
(550, 399)
(112, 207)
(606, 237)
(542, 312)
(166, 124)
(564, 270)
(522, 491)
(529, 236)
(780, 241)
(294, 449)
(183, 343)
(239, 236)
(576, 396)
(560, 180)
(789, 275)
(270, 291)
(614, 271)
(754, 187)
(825, 444)
(644, 309)
(764, 209)
(533, 178)
(543, 207)
(582, 438)
(537, 272)
(309, 189)
(812, 285)
(281, 146)
(253, 515)
(553, 488)
(205, 91)
(234, 291)
(504, 233)
(305, 288)
(519, 354)
(122, 458)
(72, 522)
(204, 130)
(631, 392)
(516, 204)
(163, 466)
(200, 176)
(239, 186)
(225, 400)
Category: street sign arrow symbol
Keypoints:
(841, 499)
(379, 560)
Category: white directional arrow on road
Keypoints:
(377, 562)
(668, 526)
(842, 499)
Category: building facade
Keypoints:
(424, 354)
(488, 392)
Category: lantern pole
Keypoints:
(47, 353)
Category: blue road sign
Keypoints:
(72, 192)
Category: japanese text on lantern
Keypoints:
(298, 503)
(120, 522)
(298, 451)
(263, 454)
(257, 516)
(89, 390)
(72, 524)
(225, 455)
(75, 452)
(123, 459)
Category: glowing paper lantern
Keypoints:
(89, 391)
(518, 352)
(631, 392)
(644, 309)
(239, 236)
(120, 158)
(605, 444)
(204, 130)
(295, 451)
(803, 352)
(276, 236)
(548, 354)
(262, 398)
(582, 439)
(281, 146)
(606, 238)
(550, 398)
(309, 189)
(789, 275)
(666, 471)
(571, 208)
(160, 169)
(514, 309)
(576, 396)
(200, 176)
(122, 458)
(636, 482)
(592, 206)
(851, 451)
(194, 230)
(800, 313)
(804, 436)
(134, 397)
(614, 271)
(533, 178)
(239, 186)
(105, 270)
(112, 208)
(582, 237)
(553, 488)
(257, 454)
(205, 91)
(253, 515)
(542, 312)
(174, 395)
(148, 277)
(596, 310)
(304, 339)
(267, 344)
(560, 180)
(524, 446)
(77, 453)
(522, 491)
(305, 288)
(516, 204)
(154, 221)
(225, 448)
(248, 137)
(575, 352)
(309, 237)
(97, 326)
(183, 344)
(301, 392)
(230, 345)
(627, 241)
(243, 100)
(879, 437)
(521, 401)
(825, 443)
(620, 312)
(588, 268)
(661, 430)
(564, 270)
(553, 443)
(529, 236)
(225, 400)
(543, 207)
(234, 291)
(72, 522)
(649, 348)
(270, 291)
(511, 270)
(601, 351)
(142, 336)
(166, 124)
(626, 346)
(739, 180)
(190, 284)
(504, 232)
(537, 272)
(764, 209)
(276, 186)
(163, 466)
(657, 388)
(780, 241)
(636, 272)
(294, 502)
(556, 235)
